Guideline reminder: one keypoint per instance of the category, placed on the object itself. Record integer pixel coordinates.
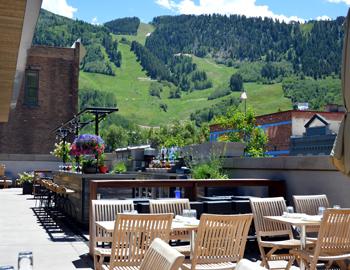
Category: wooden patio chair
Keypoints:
(333, 243)
(220, 242)
(3, 179)
(161, 256)
(133, 235)
(309, 204)
(176, 207)
(105, 210)
(265, 228)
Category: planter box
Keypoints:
(27, 188)
(214, 149)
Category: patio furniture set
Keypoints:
(218, 241)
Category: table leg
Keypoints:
(193, 238)
(303, 244)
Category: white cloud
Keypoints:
(242, 7)
(165, 3)
(94, 21)
(60, 7)
(323, 18)
(339, 1)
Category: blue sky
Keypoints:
(100, 11)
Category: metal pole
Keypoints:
(96, 123)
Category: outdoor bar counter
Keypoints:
(79, 200)
(143, 185)
(79, 183)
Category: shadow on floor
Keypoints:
(57, 225)
(85, 261)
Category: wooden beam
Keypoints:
(11, 24)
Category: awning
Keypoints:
(17, 24)
(341, 150)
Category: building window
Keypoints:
(31, 87)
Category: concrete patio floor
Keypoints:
(25, 228)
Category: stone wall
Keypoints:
(30, 128)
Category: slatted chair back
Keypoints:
(334, 236)
(133, 234)
(161, 256)
(106, 210)
(175, 206)
(262, 207)
(221, 239)
(309, 204)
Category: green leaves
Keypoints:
(244, 130)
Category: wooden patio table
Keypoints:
(108, 227)
(300, 222)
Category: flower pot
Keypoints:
(89, 169)
(103, 169)
(27, 188)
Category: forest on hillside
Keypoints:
(313, 48)
(304, 59)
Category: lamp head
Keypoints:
(244, 95)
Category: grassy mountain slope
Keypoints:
(131, 85)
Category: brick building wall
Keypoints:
(278, 127)
(29, 129)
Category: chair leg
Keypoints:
(95, 261)
(290, 263)
(264, 261)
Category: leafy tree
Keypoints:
(115, 136)
(175, 92)
(96, 98)
(155, 89)
(163, 107)
(178, 134)
(317, 93)
(219, 92)
(236, 82)
(94, 61)
(207, 114)
(245, 131)
(211, 169)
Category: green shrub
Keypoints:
(120, 167)
(25, 177)
(208, 170)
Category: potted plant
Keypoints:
(26, 181)
(90, 147)
(62, 151)
(120, 167)
(101, 164)
(89, 164)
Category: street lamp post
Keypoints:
(244, 97)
